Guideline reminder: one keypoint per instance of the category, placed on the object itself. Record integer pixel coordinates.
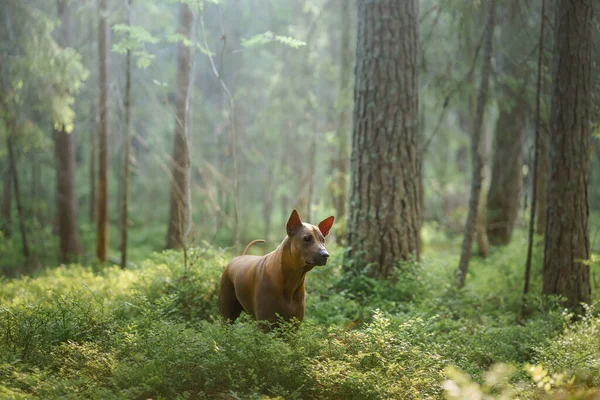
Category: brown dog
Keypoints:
(273, 285)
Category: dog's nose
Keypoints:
(325, 254)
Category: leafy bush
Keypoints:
(153, 332)
(377, 362)
(576, 350)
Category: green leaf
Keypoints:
(268, 37)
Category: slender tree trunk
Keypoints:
(11, 160)
(93, 133)
(312, 160)
(340, 159)
(476, 154)
(126, 139)
(567, 242)
(66, 202)
(6, 201)
(179, 204)
(93, 174)
(536, 158)
(102, 209)
(268, 202)
(385, 200)
(542, 177)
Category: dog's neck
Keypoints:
(293, 270)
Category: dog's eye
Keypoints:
(307, 239)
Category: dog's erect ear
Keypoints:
(293, 223)
(325, 225)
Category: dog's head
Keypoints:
(308, 241)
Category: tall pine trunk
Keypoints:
(385, 200)
(567, 244)
(476, 151)
(66, 201)
(102, 204)
(179, 209)
(126, 139)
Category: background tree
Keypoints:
(38, 80)
(385, 197)
(127, 139)
(66, 207)
(476, 151)
(339, 161)
(567, 242)
(103, 133)
(504, 194)
(179, 209)
(6, 201)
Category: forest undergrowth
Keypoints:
(152, 332)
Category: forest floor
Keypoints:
(152, 332)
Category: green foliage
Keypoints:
(576, 351)
(153, 332)
(134, 39)
(377, 362)
(269, 37)
(40, 74)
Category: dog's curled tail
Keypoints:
(252, 243)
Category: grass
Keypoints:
(153, 332)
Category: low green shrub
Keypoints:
(153, 331)
(576, 351)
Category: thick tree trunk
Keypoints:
(179, 209)
(505, 185)
(476, 153)
(6, 201)
(11, 160)
(102, 205)
(64, 152)
(126, 139)
(567, 244)
(385, 200)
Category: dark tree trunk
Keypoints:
(385, 200)
(179, 209)
(476, 151)
(6, 201)
(126, 139)
(505, 185)
(64, 152)
(11, 160)
(567, 244)
(102, 205)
